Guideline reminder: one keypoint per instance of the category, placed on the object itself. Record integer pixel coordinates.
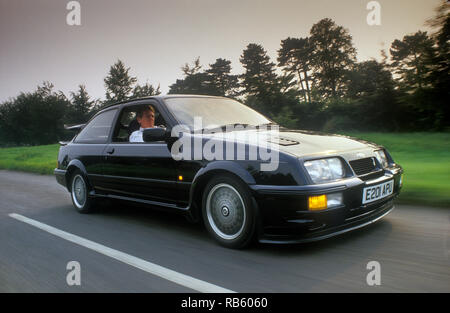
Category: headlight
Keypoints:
(325, 169)
(381, 157)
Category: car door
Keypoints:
(139, 170)
(89, 145)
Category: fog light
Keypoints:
(334, 199)
(317, 203)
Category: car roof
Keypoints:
(158, 97)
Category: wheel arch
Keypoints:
(73, 166)
(205, 175)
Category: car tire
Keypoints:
(79, 193)
(228, 211)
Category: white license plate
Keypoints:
(377, 192)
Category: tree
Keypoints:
(421, 64)
(374, 99)
(219, 79)
(33, 118)
(440, 76)
(145, 91)
(369, 78)
(215, 81)
(287, 84)
(441, 22)
(191, 84)
(80, 106)
(294, 57)
(332, 59)
(119, 83)
(412, 60)
(194, 82)
(259, 77)
(259, 81)
(192, 70)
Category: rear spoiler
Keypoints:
(74, 127)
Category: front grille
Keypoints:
(363, 166)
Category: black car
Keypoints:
(313, 186)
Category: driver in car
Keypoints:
(146, 119)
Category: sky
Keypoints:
(156, 37)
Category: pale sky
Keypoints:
(156, 37)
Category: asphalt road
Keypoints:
(411, 244)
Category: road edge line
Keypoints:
(155, 269)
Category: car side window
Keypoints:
(127, 123)
(124, 124)
(97, 130)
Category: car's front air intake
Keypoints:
(364, 166)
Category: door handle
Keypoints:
(110, 151)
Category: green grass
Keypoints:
(37, 159)
(425, 158)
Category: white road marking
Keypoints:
(178, 278)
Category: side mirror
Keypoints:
(154, 134)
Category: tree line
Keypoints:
(315, 83)
(40, 117)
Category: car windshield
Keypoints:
(214, 112)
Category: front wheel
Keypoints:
(79, 192)
(228, 211)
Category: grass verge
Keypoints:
(36, 159)
(425, 158)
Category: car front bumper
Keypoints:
(285, 218)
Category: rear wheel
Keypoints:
(79, 190)
(228, 211)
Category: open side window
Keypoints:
(127, 122)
